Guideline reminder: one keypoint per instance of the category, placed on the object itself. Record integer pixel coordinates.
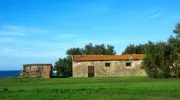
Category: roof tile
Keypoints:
(107, 57)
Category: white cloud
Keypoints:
(11, 33)
(40, 48)
(12, 27)
(44, 49)
(7, 40)
(5, 50)
(31, 54)
(12, 30)
(156, 15)
(22, 29)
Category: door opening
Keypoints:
(90, 71)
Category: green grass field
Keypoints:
(109, 88)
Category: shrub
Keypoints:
(5, 89)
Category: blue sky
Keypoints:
(40, 31)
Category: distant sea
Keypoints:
(10, 73)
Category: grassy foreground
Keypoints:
(109, 88)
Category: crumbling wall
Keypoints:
(117, 68)
(46, 71)
(38, 70)
(31, 74)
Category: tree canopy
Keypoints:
(162, 58)
(134, 49)
(62, 66)
(177, 30)
(157, 60)
(91, 49)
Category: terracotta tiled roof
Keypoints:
(107, 57)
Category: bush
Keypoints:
(5, 89)
(157, 61)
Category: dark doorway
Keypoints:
(90, 71)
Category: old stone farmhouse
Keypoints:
(107, 65)
(37, 70)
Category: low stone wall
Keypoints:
(31, 74)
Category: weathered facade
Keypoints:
(107, 65)
(37, 70)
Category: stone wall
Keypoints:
(37, 70)
(117, 68)
(31, 74)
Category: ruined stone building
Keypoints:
(107, 65)
(37, 70)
